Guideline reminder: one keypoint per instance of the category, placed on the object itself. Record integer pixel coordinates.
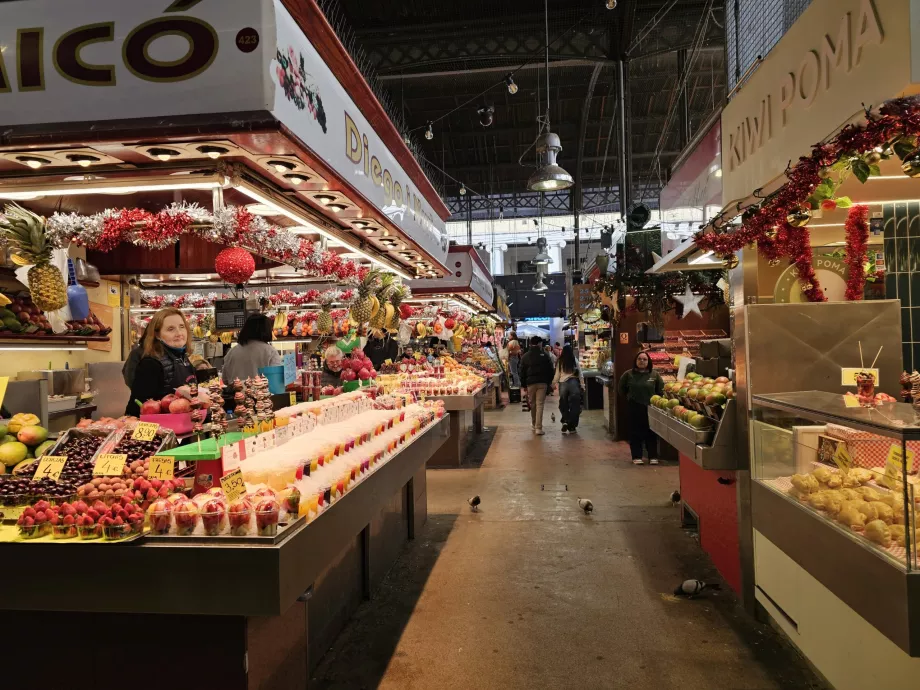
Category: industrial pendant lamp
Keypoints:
(549, 177)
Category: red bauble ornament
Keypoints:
(235, 265)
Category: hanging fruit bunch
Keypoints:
(26, 235)
(365, 304)
(324, 322)
(379, 320)
(397, 295)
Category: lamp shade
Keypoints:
(549, 177)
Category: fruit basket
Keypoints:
(81, 446)
(121, 442)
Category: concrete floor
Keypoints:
(530, 593)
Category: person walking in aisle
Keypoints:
(514, 362)
(638, 385)
(568, 377)
(536, 375)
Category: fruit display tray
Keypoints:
(10, 533)
(72, 433)
(284, 530)
(56, 338)
(167, 440)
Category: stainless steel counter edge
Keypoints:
(234, 580)
(886, 596)
(456, 403)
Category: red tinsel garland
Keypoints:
(767, 225)
(857, 239)
(115, 228)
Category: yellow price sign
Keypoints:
(293, 397)
(110, 465)
(233, 485)
(145, 431)
(842, 458)
(161, 467)
(50, 467)
(894, 463)
(850, 401)
(388, 361)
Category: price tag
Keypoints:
(110, 465)
(293, 398)
(161, 467)
(848, 375)
(388, 361)
(282, 434)
(233, 485)
(842, 458)
(50, 467)
(850, 401)
(253, 445)
(145, 431)
(230, 454)
(894, 463)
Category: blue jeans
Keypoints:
(513, 364)
(570, 402)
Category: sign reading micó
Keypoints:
(112, 59)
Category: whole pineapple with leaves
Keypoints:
(397, 295)
(25, 234)
(379, 320)
(365, 305)
(324, 323)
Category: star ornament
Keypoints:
(690, 302)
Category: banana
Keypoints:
(389, 311)
(4, 300)
(421, 329)
(375, 305)
(460, 330)
(226, 338)
(197, 332)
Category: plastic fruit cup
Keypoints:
(160, 522)
(30, 531)
(61, 500)
(87, 532)
(239, 518)
(213, 523)
(267, 522)
(115, 532)
(64, 531)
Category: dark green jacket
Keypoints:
(640, 386)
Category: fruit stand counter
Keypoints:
(465, 412)
(224, 616)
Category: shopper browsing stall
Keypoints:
(164, 364)
(254, 351)
(638, 385)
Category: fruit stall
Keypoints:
(325, 497)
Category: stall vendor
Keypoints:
(164, 364)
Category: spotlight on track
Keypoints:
(486, 115)
(611, 4)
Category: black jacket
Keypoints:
(155, 377)
(536, 367)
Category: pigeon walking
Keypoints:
(474, 503)
(675, 498)
(691, 588)
(586, 505)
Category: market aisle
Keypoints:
(530, 593)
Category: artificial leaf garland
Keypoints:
(857, 243)
(856, 150)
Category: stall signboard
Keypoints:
(310, 101)
(582, 298)
(465, 274)
(290, 368)
(839, 55)
(120, 60)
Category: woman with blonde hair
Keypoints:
(164, 365)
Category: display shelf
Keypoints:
(76, 339)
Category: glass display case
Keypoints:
(854, 468)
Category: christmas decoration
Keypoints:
(799, 218)
(231, 226)
(690, 302)
(890, 130)
(235, 265)
(730, 261)
(857, 243)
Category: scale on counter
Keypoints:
(229, 314)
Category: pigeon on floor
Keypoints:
(474, 503)
(675, 498)
(586, 505)
(553, 416)
(691, 588)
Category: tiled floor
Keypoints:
(530, 593)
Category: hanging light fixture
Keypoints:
(611, 4)
(512, 87)
(539, 286)
(542, 258)
(429, 131)
(549, 176)
(486, 115)
(462, 189)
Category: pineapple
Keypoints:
(363, 307)
(324, 323)
(25, 234)
(379, 320)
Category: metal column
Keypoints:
(625, 139)
(469, 221)
(683, 102)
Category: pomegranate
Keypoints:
(149, 407)
(180, 406)
(364, 374)
(165, 402)
(449, 324)
(347, 375)
(355, 365)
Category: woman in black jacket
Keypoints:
(164, 365)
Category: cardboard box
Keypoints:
(712, 367)
(711, 349)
